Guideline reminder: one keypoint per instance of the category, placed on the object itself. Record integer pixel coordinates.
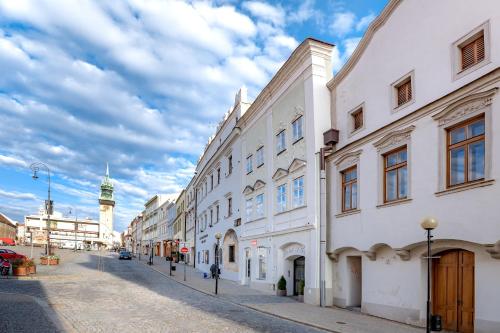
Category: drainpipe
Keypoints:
(322, 224)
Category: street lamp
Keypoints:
(35, 167)
(76, 226)
(218, 236)
(429, 224)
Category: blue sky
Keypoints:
(138, 84)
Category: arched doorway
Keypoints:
(298, 273)
(453, 290)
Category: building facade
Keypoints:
(7, 227)
(417, 108)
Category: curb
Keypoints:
(319, 327)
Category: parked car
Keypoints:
(10, 255)
(125, 255)
(7, 241)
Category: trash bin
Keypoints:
(436, 323)
(173, 268)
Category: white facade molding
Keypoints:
(394, 139)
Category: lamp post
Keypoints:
(429, 224)
(76, 226)
(35, 167)
(218, 236)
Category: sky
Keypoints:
(138, 84)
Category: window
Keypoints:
(249, 164)
(259, 205)
(473, 52)
(395, 175)
(297, 129)
(262, 253)
(211, 182)
(298, 192)
(206, 257)
(218, 176)
(466, 152)
(357, 119)
(260, 156)
(217, 214)
(248, 209)
(281, 198)
(230, 250)
(230, 164)
(349, 189)
(229, 206)
(211, 217)
(280, 142)
(404, 93)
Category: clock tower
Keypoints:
(106, 206)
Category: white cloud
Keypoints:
(17, 195)
(365, 21)
(266, 12)
(12, 161)
(305, 12)
(343, 23)
(350, 45)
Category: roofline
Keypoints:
(363, 43)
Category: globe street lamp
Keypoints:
(218, 236)
(35, 167)
(429, 224)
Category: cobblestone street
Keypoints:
(90, 292)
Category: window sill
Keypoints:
(255, 220)
(398, 108)
(464, 187)
(290, 210)
(349, 212)
(258, 166)
(249, 172)
(281, 152)
(394, 203)
(298, 140)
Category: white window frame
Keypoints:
(394, 91)
(298, 200)
(281, 198)
(249, 164)
(298, 129)
(249, 209)
(259, 156)
(259, 205)
(280, 142)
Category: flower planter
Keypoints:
(53, 261)
(280, 292)
(20, 271)
(32, 269)
(44, 261)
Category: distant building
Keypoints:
(7, 227)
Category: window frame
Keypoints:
(349, 183)
(294, 192)
(395, 167)
(229, 206)
(249, 209)
(281, 206)
(259, 207)
(456, 51)
(279, 148)
(249, 164)
(300, 125)
(465, 143)
(231, 253)
(230, 164)
(408, 77)
(356, 111)
(259, 156)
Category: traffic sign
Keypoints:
(184, 250)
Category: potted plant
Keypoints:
(19, 267)
(30, 263)
(281, 287)
(44, 260)
(301, 290)
(53, 260)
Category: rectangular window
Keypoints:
(229, 206)
(207, 257)
(217, 214)
(248, 209)
(249, 164)
(297, 129)
(211, 217)
(259, 205)
(473, 52)
(230, 164)
(357, 119)
(280, 142)
(262, 253)
(349, 189)
(230, 251)
(218, 176)
(466, 152)
(281, 198)
(395, 175)
(404, 92)
(260, 156)
(298, 192)
(211, 182)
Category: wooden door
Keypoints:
(453, 290)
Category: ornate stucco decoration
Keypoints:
(465, 106)
(296, 165)
(403, 254)
(394, 138)
(280, 173)
(493, 250)
(348, 159)
(258, 184)
(298, 112)
(372, 255)
(248, 189)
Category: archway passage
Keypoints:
(298, 273)
(453, 290)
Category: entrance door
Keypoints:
(453, 290)
(298, 273)
(354, 291)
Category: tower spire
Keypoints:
(107, 170)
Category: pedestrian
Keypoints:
(213, 270)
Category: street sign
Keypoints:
(39, 237)
(184, 250)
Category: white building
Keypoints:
(218, 194)
(281, 135)
(417, 108)
(165, 220)
(190, 222)
(151, 217)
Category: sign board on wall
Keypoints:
(253, 242)
(39, 236)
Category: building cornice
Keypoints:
(363, 44)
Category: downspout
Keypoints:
(322, 225)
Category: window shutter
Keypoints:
(358, 119)
(473, 52)
(404, 93)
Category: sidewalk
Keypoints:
(330, 319)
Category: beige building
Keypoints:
(7, 227)
(179, 227)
